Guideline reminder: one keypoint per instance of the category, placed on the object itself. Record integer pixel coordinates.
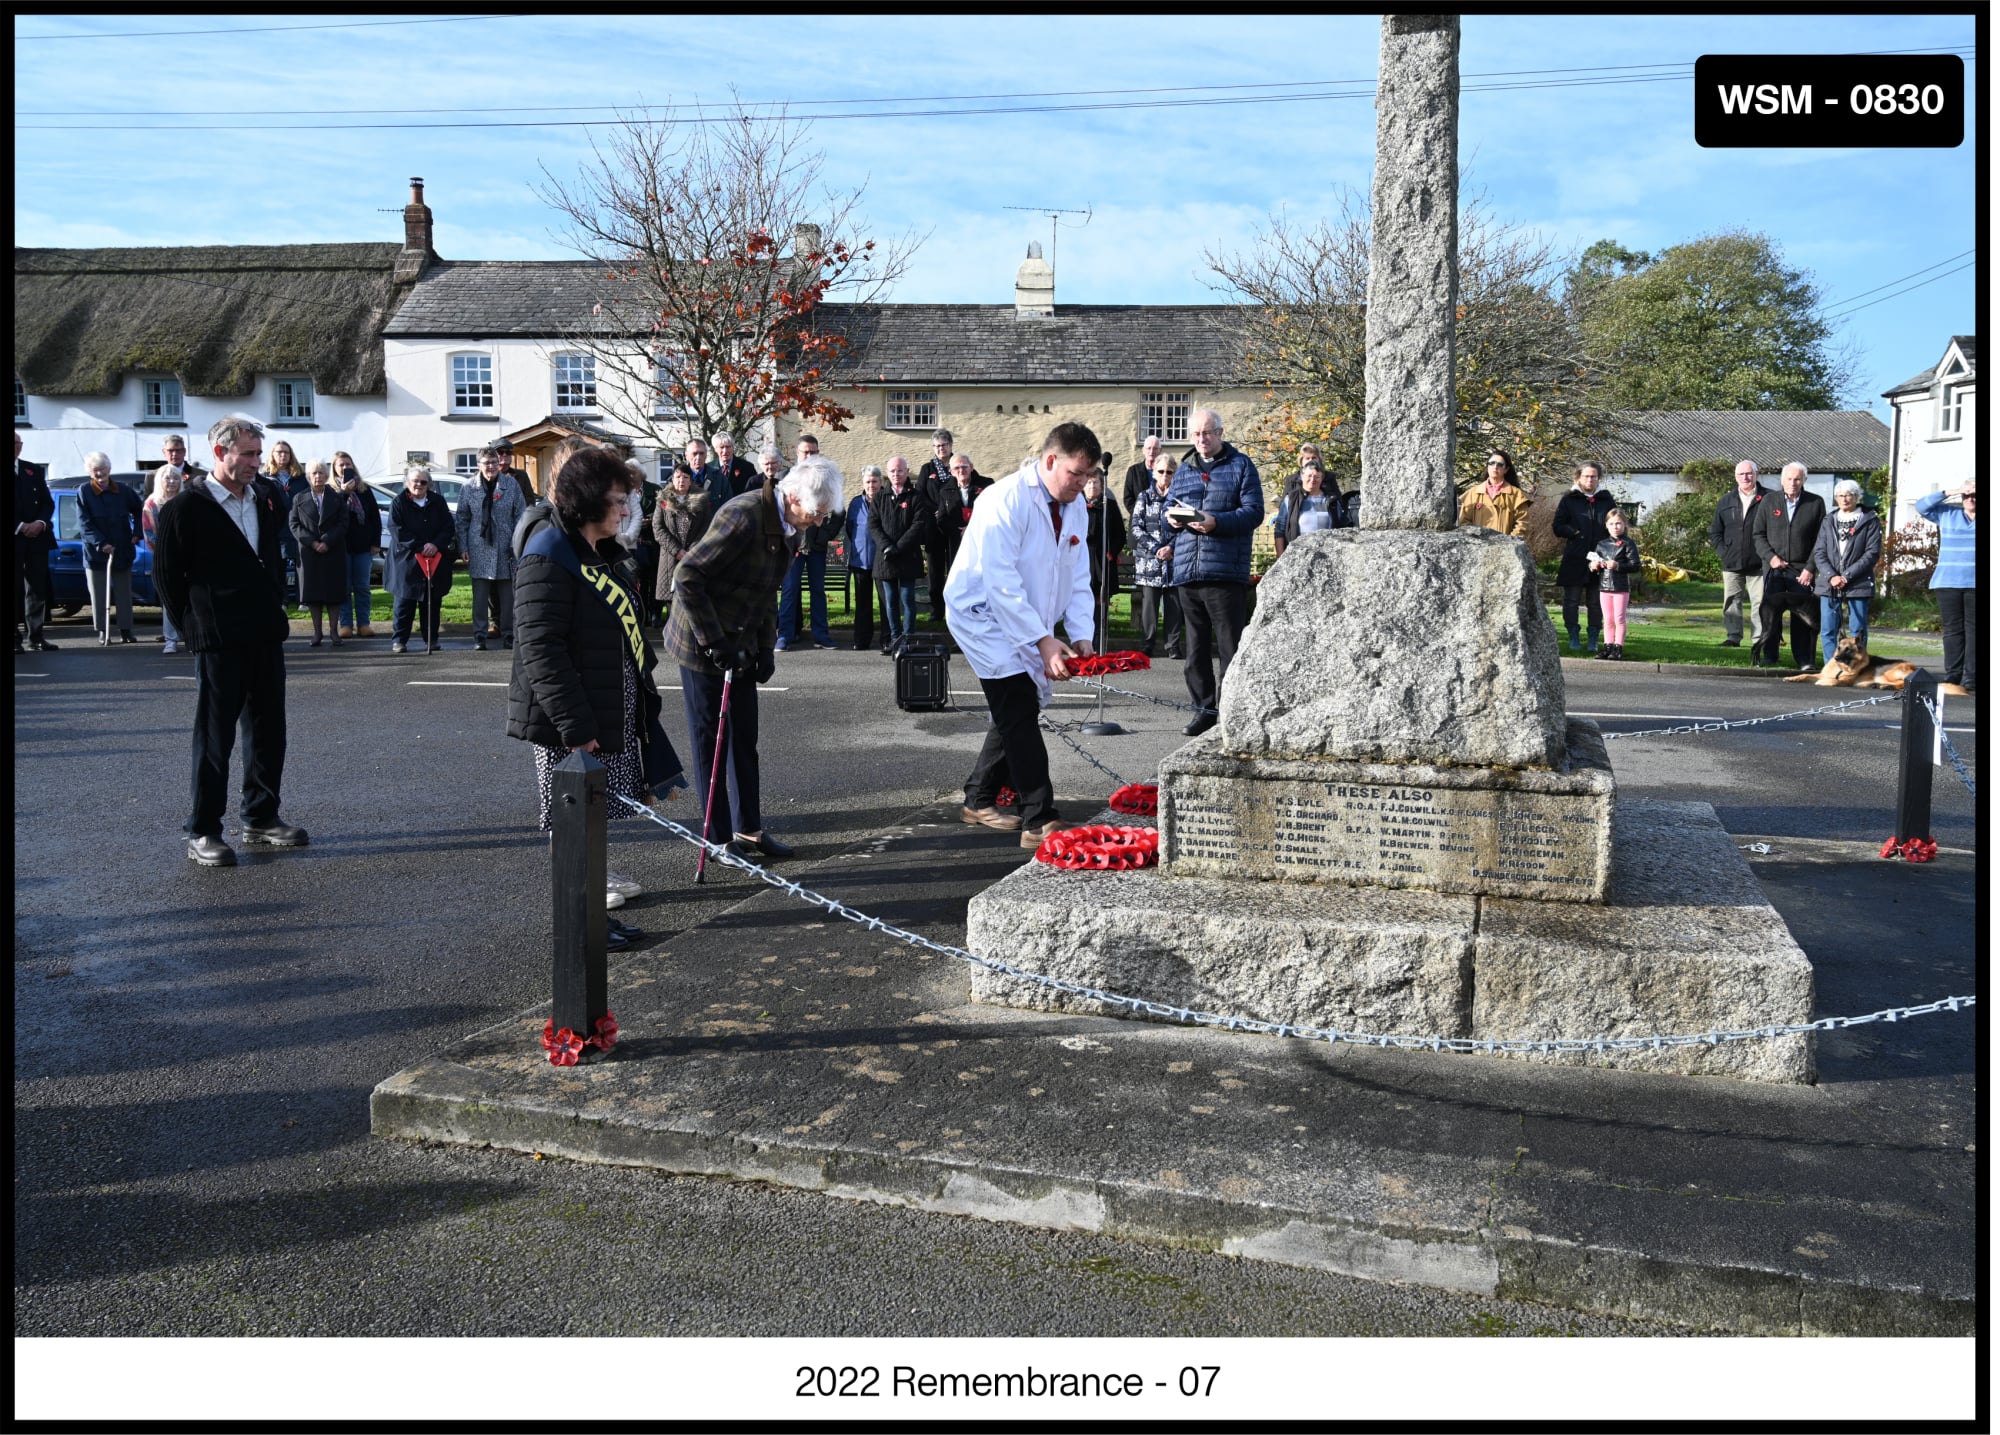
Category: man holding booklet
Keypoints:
(1215, 505)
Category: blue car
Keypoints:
(69, 593)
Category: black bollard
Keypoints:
(576, 861)
(1919, 748)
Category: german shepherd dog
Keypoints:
(1851, 667)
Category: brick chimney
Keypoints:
(1034, 286)
(417, 251)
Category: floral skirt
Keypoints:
(624, 772)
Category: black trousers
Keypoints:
(1959, 608)
(1160, 621)
(235, 686)
(31, 586)
(1803, 605)
(937, 564)
(864, 610)
(1215, 614)
(426, 623)
(1014, 754)
(701, 695)
(1585, 597)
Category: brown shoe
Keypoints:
(364, 631)
(1031, 837)
(345, 631)
(989, 817)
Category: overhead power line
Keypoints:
(262, 29)
(1843, 303)
(1595, 76)
(1856, 309)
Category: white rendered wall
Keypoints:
(1928, 461)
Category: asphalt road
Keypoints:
(195, 1048)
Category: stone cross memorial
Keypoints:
(1395, 826)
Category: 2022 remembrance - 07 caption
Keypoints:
(866, 1382)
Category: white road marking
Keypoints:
(1664, 717)
(31, 675)
(428, 683)
(180, 678)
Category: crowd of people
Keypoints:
(738, 558)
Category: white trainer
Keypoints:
(624, 886)
(613, 899)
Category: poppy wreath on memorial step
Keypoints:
(565, 1047)
(1098, 664)
(1137, 799)
(1911, 849)
(1100, 848)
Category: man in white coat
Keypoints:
(1021, 568)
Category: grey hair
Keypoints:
(322, 465)
(814, 484)
(1753, 467)
(164, 474)
(227, 430)
(874, 468)
(95, 460)
(413, 470)
(942, 436)
(1195, 417)
(725, 438)
(770, 450)
(1804, 472)
(493, 450)
(1847, 485)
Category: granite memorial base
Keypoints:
(1481, 831)
(1685, 942)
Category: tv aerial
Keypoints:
(1055, 221)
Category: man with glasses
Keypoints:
(1217, 501)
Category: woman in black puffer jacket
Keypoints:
(583, 670)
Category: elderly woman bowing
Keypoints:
(724, 622)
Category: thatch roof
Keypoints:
(214, 316)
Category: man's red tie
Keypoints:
(1055, 515)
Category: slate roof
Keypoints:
(215, 316)
(936, 344)
(1968, 345)
(505, 299)
(1825, 441)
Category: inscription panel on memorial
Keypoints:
(1476, 840)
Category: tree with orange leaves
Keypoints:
(711, 242)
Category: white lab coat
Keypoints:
(1014, 579)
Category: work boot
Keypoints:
(211, 852)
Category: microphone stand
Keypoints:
(1101, 727)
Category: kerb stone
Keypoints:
(1399, 647)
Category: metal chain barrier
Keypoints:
(1722, 723)
(1061, 730)
(1142, 697)
(1950, 752)
(1189, 1015)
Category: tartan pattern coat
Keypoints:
(726, 587)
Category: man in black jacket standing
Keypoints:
(1731, 533)
(1787, 528)
(34, 541)
(931, 482)
(220, 570)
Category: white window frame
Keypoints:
(1163, 414)
(285, 405)
(153, 396)
(1951, 409)
(20, 401)
(910, 409)
(465, 389)
(583, 398)
(465, 463)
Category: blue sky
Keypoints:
(1574, 162)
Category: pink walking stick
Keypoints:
(715, 776)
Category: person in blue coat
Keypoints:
(1220, 500)
(110, 518)
(861, 558)
(1955, 584)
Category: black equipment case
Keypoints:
(923, 675)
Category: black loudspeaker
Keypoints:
(923, 676)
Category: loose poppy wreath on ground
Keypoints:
(1911, 849)
(1100, 848)
(1137, 799)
